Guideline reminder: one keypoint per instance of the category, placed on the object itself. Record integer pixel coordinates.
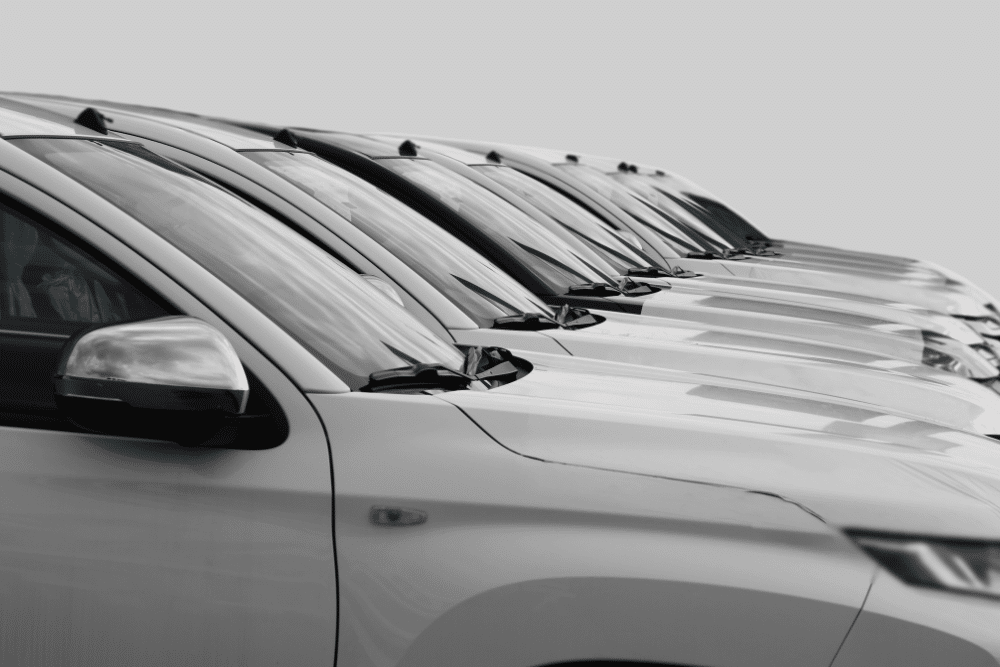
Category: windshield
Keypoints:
(713, 213)
(536, 248)
(575, 218)
(671, 231)
(472, 282)
(349, 325)
(677, 208)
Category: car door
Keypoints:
(118, 550)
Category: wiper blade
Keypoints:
(625, 287)
(648, 272)
(756, 251)
(593, 289)
(630, 287)
(493, 366)
(684, 273)
(526, 322)
(417, 377)
(576, 318)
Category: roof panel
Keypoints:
(14, 123)
(235, 139)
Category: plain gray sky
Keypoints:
(861, 124)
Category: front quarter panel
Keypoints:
(523, 563)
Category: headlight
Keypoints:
(959, 566)
(944, 361)
(965, 360)
(984, 326)
(986, 353)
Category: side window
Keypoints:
(50, 288)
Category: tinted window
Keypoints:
(669, 229)
(535, 247)
(346, 323)
(472, 282)
(570, 215)
(695, 224)
(51, 289)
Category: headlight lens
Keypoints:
(986, 353)
(959, 566)
(984, 326)
(945, 362)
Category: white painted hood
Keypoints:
(895, 386)
(937, 396)
(771, 317)
(854, 467)
(879, 314)
(940, 299)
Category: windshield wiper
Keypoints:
(728, 253)
(625, 287)
(593, 289)
(757, 251)
(526, 322)
(417, 377)
(630, 287)
(565, 317)
(493, 366)
(576, 318)
(648, 272)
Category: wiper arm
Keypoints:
(576, 318)
(493, 366)
(565, 318)
(648, 272)
(630, 287)
(417, 377)
(625, 287)
(756, 251)
(593, 289)
(526, 322)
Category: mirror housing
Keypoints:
(171, 378)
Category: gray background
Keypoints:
(860, 124)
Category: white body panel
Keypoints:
(936, 298)
(523, 563)
(884, 385)
(855, 467)
(884, 312)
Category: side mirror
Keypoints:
(385, 287)
(172, 378)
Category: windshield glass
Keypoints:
(472, 282)
(537, 249)
(578, 220)
(677, 208)
(671, 231)
(346, 323)
(713, 213)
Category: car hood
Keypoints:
(832, 327)
(890, 385)
(853, 467)
(823, 305)
(940, 299)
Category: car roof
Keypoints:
(231, 136)
(18, 119)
